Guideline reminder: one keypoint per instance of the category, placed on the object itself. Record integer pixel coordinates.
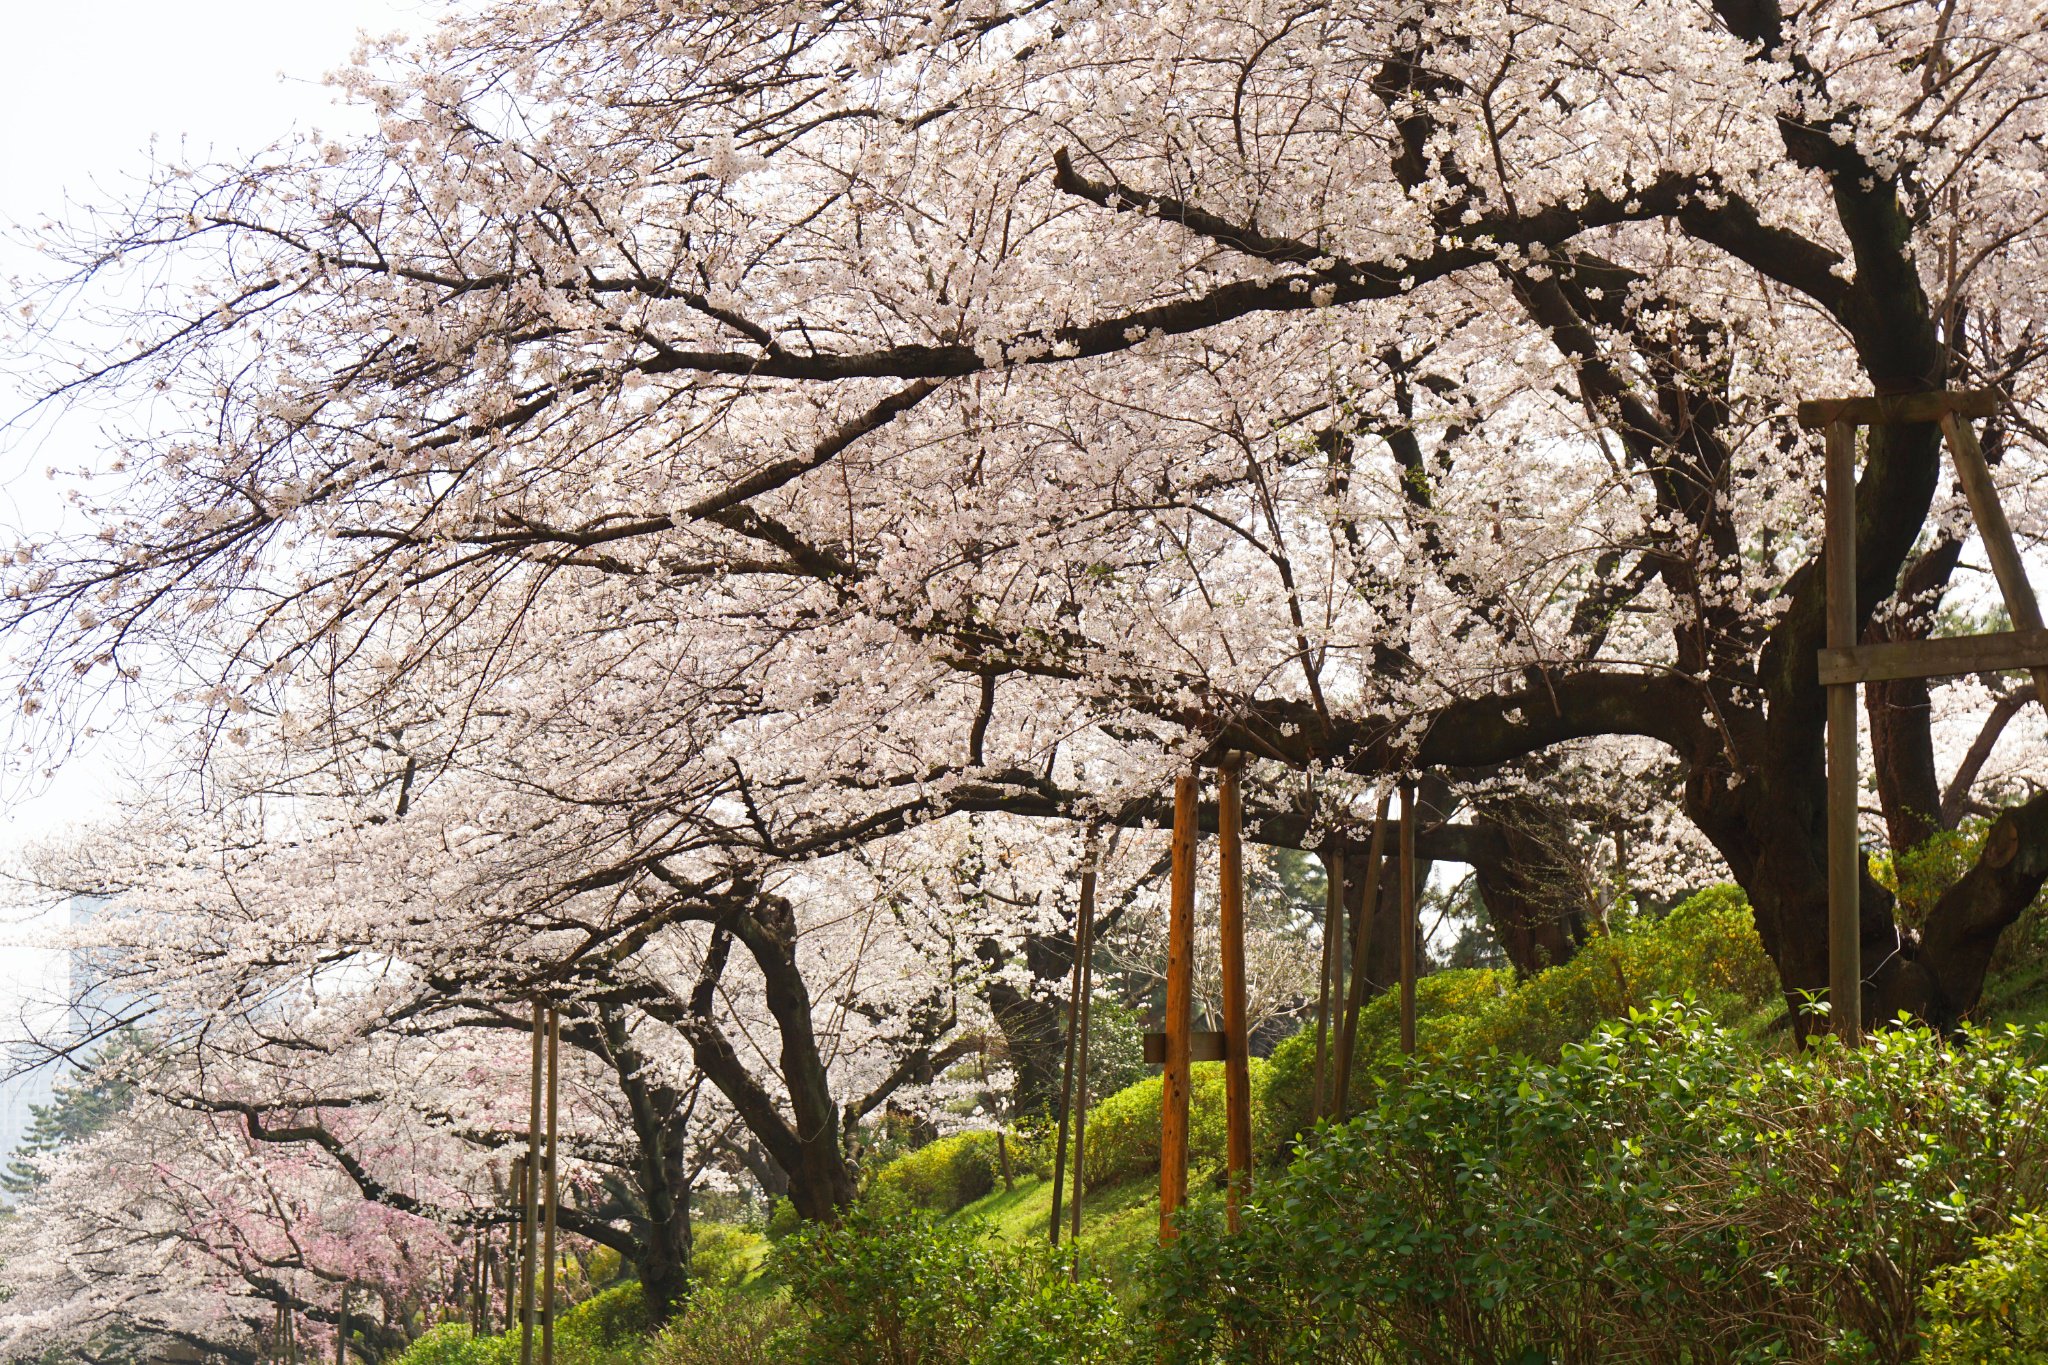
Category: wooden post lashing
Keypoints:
(1180, 1001)
(1059, 1160)
(1989, 513)
(1845, 855)
(1361, 937)
(1333, 928)
(1237, 1073)
(1081, 1056)
(549, 1191)
(1410, 927)
(529, 1250)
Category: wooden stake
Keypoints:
(1409, 925)
(1180, 1002)
(1081, 1057)
(1361, 937)
(529, 1250)
(1997, 532)
(340, 1334)
(1237, 1073)
(514, 1238)
(1333, 929)
(1845, 855)
(551, 1190)
(1082, 915)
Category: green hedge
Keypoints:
(1666, 1191)
(1706, 948)
(895, 1285)
(946, 1175)
(1123, 1130)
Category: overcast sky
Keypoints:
(84, 91)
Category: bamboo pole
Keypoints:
(1237, 1074)
(551, 1190)
(1845, 855)
(529, 1248)
(1082, 915)
(1180, 1001)
(1081, 1062)
(1409, 925)
(1361, 937)
(1333, 928)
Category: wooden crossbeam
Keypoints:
(1203, 1046)
(1897, 408)
(2000, 652)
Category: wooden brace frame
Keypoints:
(1180, 1046)
(1845, 665)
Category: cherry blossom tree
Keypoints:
(822, 420)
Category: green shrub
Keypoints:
(448, 1344)
(1663, 1192)
(1123, 1130)
(946, 1175)
(1707, 948)
(608, 1321)
(721, 1254)
(783, 1219)
(1993, 1308)
(726, 1325)
(895, 1285)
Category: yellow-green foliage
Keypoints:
(946, 1175)
(723, 1325)
(1993, 1309)
(1706, 948)
(1123, 1130)
(721, 1254)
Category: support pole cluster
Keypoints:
(536, 1176)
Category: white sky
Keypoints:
(84, 92)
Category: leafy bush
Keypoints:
(448, 1344)
(1706, 948)
(609, 1320)
(783, 1219)
(721, 1254)
(1123, 1130)
(726, 1325)
(895, 1285)
(945, 1175)
(1993, 1308)
(1663, 1192)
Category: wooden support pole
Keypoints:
(1989, 513)
(529, 1248)
(1333, 928)
(1410, 927)
(1361, 937)
(514, 1238)
(1237, 1066)
(340, 1332)
(1845, 855)
(1084, 913)
(551, 1190)
(1180, 1003)
(1081, 1058)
